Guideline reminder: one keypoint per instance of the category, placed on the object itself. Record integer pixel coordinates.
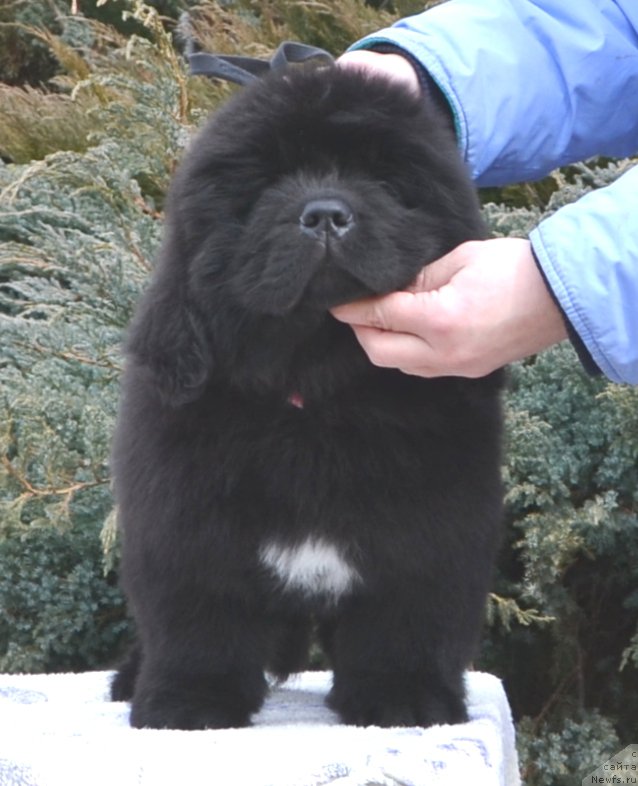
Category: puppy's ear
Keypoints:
(167, 336)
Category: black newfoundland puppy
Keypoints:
(270, 480)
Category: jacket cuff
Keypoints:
(584, 355)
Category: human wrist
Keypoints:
(393, 65)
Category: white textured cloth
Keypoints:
(61, 730)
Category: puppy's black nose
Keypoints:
(322, 217)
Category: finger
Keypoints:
(395, 312)
(395, 350)
(424, 372)
(440, 272)
(361, 312)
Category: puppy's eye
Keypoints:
(393, 192)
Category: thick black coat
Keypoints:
(265, 470)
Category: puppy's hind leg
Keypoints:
(289, 644)
(123, 682)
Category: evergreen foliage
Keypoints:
(87, 159)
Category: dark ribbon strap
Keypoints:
(243, 70)
(293, 52)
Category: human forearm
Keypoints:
(588, 252)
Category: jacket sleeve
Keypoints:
(531, 85)
(588, 252)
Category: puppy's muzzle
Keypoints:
(324, 218)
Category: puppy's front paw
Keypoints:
(395, 700)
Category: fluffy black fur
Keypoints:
(215, 461)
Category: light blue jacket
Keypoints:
(535, 84)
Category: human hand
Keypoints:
(481, 306)
(396, 67)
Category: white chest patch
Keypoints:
(315, 567)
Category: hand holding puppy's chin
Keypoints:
(479, 307)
